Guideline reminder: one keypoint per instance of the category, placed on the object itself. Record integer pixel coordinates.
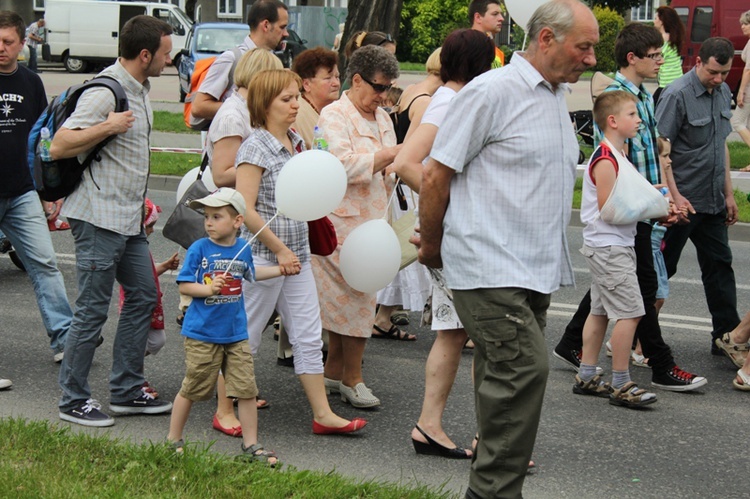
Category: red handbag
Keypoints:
(323, 240)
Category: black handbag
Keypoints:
(186, 225)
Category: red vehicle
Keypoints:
(707, 18)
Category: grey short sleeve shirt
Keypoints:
(696, 122)
(216, 83)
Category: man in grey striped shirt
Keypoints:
(106, 218)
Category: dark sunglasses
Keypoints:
(378, 87)
(388, 39)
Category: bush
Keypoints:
(425, 24)
(610, 24)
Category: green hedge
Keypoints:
(610, 24)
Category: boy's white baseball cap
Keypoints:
(224, 196)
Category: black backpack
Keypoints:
(56, 179)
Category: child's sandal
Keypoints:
(178, 446)
(258, 453)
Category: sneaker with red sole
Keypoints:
(677, 380)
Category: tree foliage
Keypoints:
(619, 6)
(610, 24)
(426, 23)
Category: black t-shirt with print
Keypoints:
(22, 100)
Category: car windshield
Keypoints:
(217, 40)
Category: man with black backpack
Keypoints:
(22, 217)
(105, 213)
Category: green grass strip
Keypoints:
(165, 121)
(40, 459)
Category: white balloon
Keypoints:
(191, 176)
(521, 10)
(370, 256)
(310, 185)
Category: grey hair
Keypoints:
(369, 60)
(745, 17)
(557, 15)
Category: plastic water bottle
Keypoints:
(319, 141)
(50, 170)
(44, 144)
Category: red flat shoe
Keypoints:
(232, 432)
(57, 224)
(355, 424)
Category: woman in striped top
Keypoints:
(668, 22)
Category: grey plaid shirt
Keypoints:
(264, 150)
(111, 193)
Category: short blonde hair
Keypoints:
(745, 17)
(609, 104)
(252, 62)
(264, 88)
(433, 62)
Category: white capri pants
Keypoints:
(296, 299)
(741, 115)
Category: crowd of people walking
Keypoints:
(487, 159)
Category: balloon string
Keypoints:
(248, 243)
(390, 199)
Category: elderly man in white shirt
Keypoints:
(505, 158)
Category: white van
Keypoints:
(83, 32)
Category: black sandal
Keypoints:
(258, 453)
(394, 333)
(432, 448)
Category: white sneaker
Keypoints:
(360, 396)
(5, 383)
(59, 356)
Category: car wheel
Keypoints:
(73, 65)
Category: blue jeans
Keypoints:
(32, 59)
(23, 222)
(103, 256)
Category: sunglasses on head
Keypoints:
(388, 39)
(378, 87)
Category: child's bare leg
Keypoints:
(248, 412)
(622, 340)
(225, 406)
(658, 304)
(178, 419)
(593, 337)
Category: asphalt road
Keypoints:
(687, 445)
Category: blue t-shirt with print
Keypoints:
(219, 318)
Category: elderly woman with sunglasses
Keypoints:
(361, 135)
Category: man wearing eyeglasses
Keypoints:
(638, 54)
(694, 113)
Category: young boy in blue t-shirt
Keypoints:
(610, 254)
(215, 325)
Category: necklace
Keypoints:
(304, 96)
